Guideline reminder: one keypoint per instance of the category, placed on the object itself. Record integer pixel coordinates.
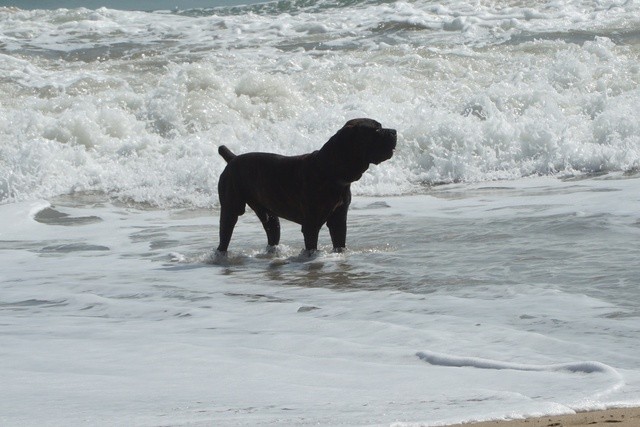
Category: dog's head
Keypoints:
(353, 148)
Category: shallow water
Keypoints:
(471, 302)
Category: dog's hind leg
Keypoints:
(231, 207)
(228, 219)
(271, 224)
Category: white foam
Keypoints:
(439, 359)
(138, 112)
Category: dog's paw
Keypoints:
(272, 250)
(310, 253)
(218, 257)
(269, 253)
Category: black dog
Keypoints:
(311, 189)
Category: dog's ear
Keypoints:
(351, 123)
(365, 123)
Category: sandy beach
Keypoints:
(624, 417)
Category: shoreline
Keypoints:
(619, 417)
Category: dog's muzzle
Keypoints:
(390, 137)
(388, 140)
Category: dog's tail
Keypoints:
(226, 153)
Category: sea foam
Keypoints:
(134, 104)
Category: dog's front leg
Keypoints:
(337, 224)
(338, 231)
(310, 233)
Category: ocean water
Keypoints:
(492, 269)
(139, 5)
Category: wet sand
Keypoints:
(625, 417)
